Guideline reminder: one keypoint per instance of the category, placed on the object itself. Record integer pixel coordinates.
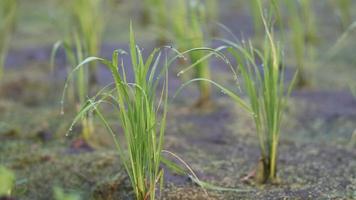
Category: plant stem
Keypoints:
(273, 161)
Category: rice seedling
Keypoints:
(141, 114)
(82, 39)
(7, 20)
(188, 31)
(265, 91)
(7, 181)
(265, 88)
(79, 90)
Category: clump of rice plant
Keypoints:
(188, 32)
(82, 39)
(79, 90)
(7, 20)
(141, 111)
(265, 87)
(7, 181)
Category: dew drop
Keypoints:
(180, 73)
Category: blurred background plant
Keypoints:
(212, 16)
(82, 35)
(309, 21)
(188, 20)
(297, 40)
(155, 12)
(343, 11)
(59, 194)
(78, 91)
(7, 181)
(87, 20)
(8, 13)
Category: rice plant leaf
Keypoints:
(226, 91)
(71, 74)
(54, 51)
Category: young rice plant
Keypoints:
(82, 39)
(141, 114)
(265, 88)
(7, 20)
(79, 91)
